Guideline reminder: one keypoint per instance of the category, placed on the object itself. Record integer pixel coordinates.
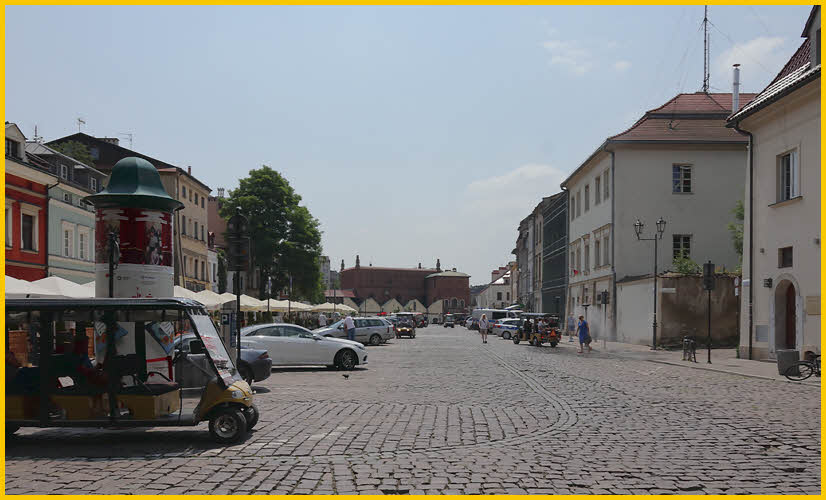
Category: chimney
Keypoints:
(110, 140)
(189, 170)
(735, 91)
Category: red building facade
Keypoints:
(426, 285)
(26, 211)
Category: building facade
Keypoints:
(189, 240)
(324, 268)
(555, 254)
(451, 287)
(26, 210)
(71, 224)
(678, 162)
(524, 253)
(781, 244)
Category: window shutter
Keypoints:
(795, 171)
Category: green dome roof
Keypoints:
(134, 182)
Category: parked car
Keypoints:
(255, 365)
(373, 331)
(293, 345)
(506, 328)
(449, 321)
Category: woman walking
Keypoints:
(584, 335)
(483, 328)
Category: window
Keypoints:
(12, 148)
(195, 234)
(681, 178)
(203, 270)
(67, 242)
(605, 247)
(597, 192)
(196, 198)
(587, 257)
(93, 183)
(183, 225)
(27, 232)
(190, 195)
(682, 246)
(579, 260)
(785, 257)
(202, 202)
(596, 254)
(578, 204)
(605, 184)
(183, 192)
(67, 198)
(82, 240)
(214, 272)
(571, 206)
(9, 212)
(788, 176)
(202, 231)
(64, 172)
(573, 267)
(498, 295)
(587, 197)
(194, 272)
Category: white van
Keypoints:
(494, 314)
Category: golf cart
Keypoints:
(450, 321)
(536, 337)
(115, 363)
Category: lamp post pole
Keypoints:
(658, 235)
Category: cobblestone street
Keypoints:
(444, 413)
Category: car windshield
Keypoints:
(227, 372)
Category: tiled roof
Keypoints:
(796, 73)
(699, 103)
(680, 130)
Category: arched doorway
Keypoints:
(785, 315)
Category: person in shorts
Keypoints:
(571, 327)
(350, 328)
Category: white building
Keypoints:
(678, 162)
(497, 293)
(781, 247)
(212, 269)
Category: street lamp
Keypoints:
(638, 226)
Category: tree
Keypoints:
(284, 237)
(736, 227)
(222, 271)
(76, 150)
(685, 265)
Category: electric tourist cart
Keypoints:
(549, 334)
(112, 362)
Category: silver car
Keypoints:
(372, 331)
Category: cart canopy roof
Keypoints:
(101, 303)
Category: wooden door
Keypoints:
(791, 319)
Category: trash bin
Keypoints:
(786, 358)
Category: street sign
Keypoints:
(708, 276)
(225, 319)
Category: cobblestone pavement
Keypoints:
(444, 413)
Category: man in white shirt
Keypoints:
(350, 328)
(322, 320)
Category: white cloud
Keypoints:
(622, 65)
(570, 55)
(761, 58)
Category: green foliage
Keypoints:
(285, 238)
(685, 265)
(736, 227)
(76, 150)
(222, 271)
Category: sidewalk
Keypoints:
(722, 360)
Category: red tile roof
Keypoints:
(700, 103)
(800, 57)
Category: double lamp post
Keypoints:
(638, 226)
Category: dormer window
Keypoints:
(12, 148)
(93, 183)
(64, 172)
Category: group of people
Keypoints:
(581, 328)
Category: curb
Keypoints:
(763, 377)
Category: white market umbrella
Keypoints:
(183, 293)
(247, 303)
(328, 308)
(210, 299)
(64, 288)
(22, 289)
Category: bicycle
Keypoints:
(803, 369)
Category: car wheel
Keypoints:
(251, 414)
(506, 335)
(375, 339)
(346, 359)
(227, 425)
(516, 339)
(246, 373)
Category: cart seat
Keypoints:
(153, 389)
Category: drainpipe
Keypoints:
(613, 246)
(751, 234)
(564, 317)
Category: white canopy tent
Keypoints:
(210, 299)
(247, 303)
(22, 289)
(328, 308)
(61, 287)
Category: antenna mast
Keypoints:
(705, 51)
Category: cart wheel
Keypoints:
(251, 414)
(227, 425)
(516, 339)
(553, 344)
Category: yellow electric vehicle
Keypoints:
(121, 363)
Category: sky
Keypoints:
(411, 133)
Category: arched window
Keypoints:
(447, 304)
(462, 303)
(454, 303)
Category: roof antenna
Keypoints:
(705, 51)
(80, 121)
(36, 137)
(128, 136)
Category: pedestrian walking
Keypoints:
(584, 335)
(350, 326)
(527, 327)
(322, 320)
(483, 328)
(571, 327)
